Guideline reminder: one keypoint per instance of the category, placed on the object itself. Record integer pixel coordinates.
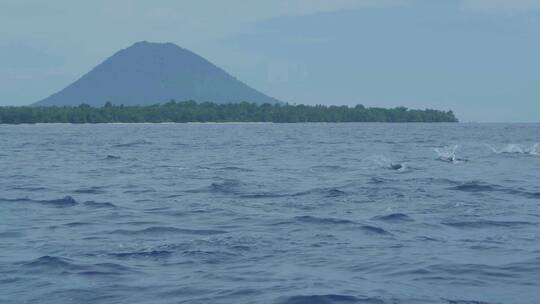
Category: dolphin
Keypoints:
(396, 166)
(452, 159)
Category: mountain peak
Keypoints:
(153, 44)
(149, 73)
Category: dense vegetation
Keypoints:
(190, 111)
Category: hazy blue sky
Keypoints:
(480, 58)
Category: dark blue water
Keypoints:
(265, 213)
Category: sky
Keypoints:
(479, 58)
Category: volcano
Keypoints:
(149, 73)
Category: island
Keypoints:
(191, 111)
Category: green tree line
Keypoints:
(190, 111)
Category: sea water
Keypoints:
(270, 213)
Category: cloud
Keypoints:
(509, 7)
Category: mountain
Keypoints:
(149, 73)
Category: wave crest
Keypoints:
(330, 299)
(516, 149)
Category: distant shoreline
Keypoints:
(227, 123)
(207, 112)
(256, 123)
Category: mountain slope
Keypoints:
(149, 73)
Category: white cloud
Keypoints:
(509, 7)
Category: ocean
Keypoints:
(270, 213)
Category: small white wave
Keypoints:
(508, 149)
(535, 150)
(448, 154)
(387, 163)
(516, 149)
(382, 161)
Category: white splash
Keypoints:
(534, 150)
(447, 153)
(508, 149)
(516, 149)
(387, 163)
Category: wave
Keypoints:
(333, 192)
(133, 144)
(52, 262)
(531, 266)
(234, 168)
(338, 221)
(14, 200)
(49, 264)
(427, 239)
(535, 150)
(158, 230)
(322, 220)
(326, 192)
(237, 188)
(225, 168)
(326, 168)
(477, 187)
(488, 272)
(112, 157)
(30, 188)
(11, 234)
(264, 195)
(464, 301)
(375, 230)
(154, 254)
(377, 180)
(387, 163)
(91, 190)
(63, 202)
(105, 269)
(77, 224)
(93, 204)
(448, 154)
(112, 266)
(229, 186)
(330, 299)
(214, 257)
(486, 224)
(66, 201)
(394, 217)
(516, 149)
